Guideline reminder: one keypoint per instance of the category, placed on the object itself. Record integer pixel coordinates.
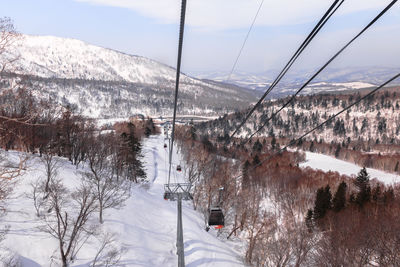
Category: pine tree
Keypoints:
(309, 220)
(245, 174)
(257, 147)
(322, 202)
(339, 200)
(376, 193)
(362, 184)
(311, 147)
(131, 154)
(256, 160)
(273, 143)
(337, 151)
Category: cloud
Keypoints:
(236, 14)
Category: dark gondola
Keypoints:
(179, 168)
(167, 196)
(165, 145)
(216, 218)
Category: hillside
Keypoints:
(145, 227)
(105, 83)
(374, 119)
(367, 134)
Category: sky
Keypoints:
(215, 30)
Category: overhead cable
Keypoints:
(294, 141)
(178, 72)
(323, 67)
(244, 42)
(332, 9)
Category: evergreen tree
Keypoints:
(339, 200)
(337, 151)
(131, 154)
(322, 202)
(396, 168)
(362, 184)
(256, 160)
(193, 133)
(311, 147)
(309, 220)
(257, 147)
(273, 143)
(245, 174)
(376, 193)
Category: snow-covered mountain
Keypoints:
(55, 57)
(332, 79)
(102, 82)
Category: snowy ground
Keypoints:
(146, 226)
(328, 163)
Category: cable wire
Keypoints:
(323, 67)
(294, 141)
(244, 42)
(178, 72)
(305, 43)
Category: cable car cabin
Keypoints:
(179, 168)
(167, 195)
(165, 145)
(216, 218)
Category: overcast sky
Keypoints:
(216, 29)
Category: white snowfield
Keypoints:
(146, 226)
(328, 163)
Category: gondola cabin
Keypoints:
(165, 145)
(179, 168)
(167, 195)
(216, 218)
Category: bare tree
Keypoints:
(108, 254)
(51, 164)
(37, 195)
(111, 191)
(8, 37)
(68, 219)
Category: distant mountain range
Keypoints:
(330, 80)
(106, 83)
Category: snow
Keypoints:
(354, 85)
(328, 163)
(146, 226)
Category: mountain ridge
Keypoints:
(112, 77)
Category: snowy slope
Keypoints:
(327, 163)
(104, 83)
(49, 56)
(56, 57)
(146, 226)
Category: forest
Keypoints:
(291, 216)
(367, 134)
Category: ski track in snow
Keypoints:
(154, 150)
(328, 163)
(145, 226)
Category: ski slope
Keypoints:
(145, 226)
(328, 163)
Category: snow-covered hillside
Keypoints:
(327, 163)
(104, 83)
(145, 227)
(49, 56)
